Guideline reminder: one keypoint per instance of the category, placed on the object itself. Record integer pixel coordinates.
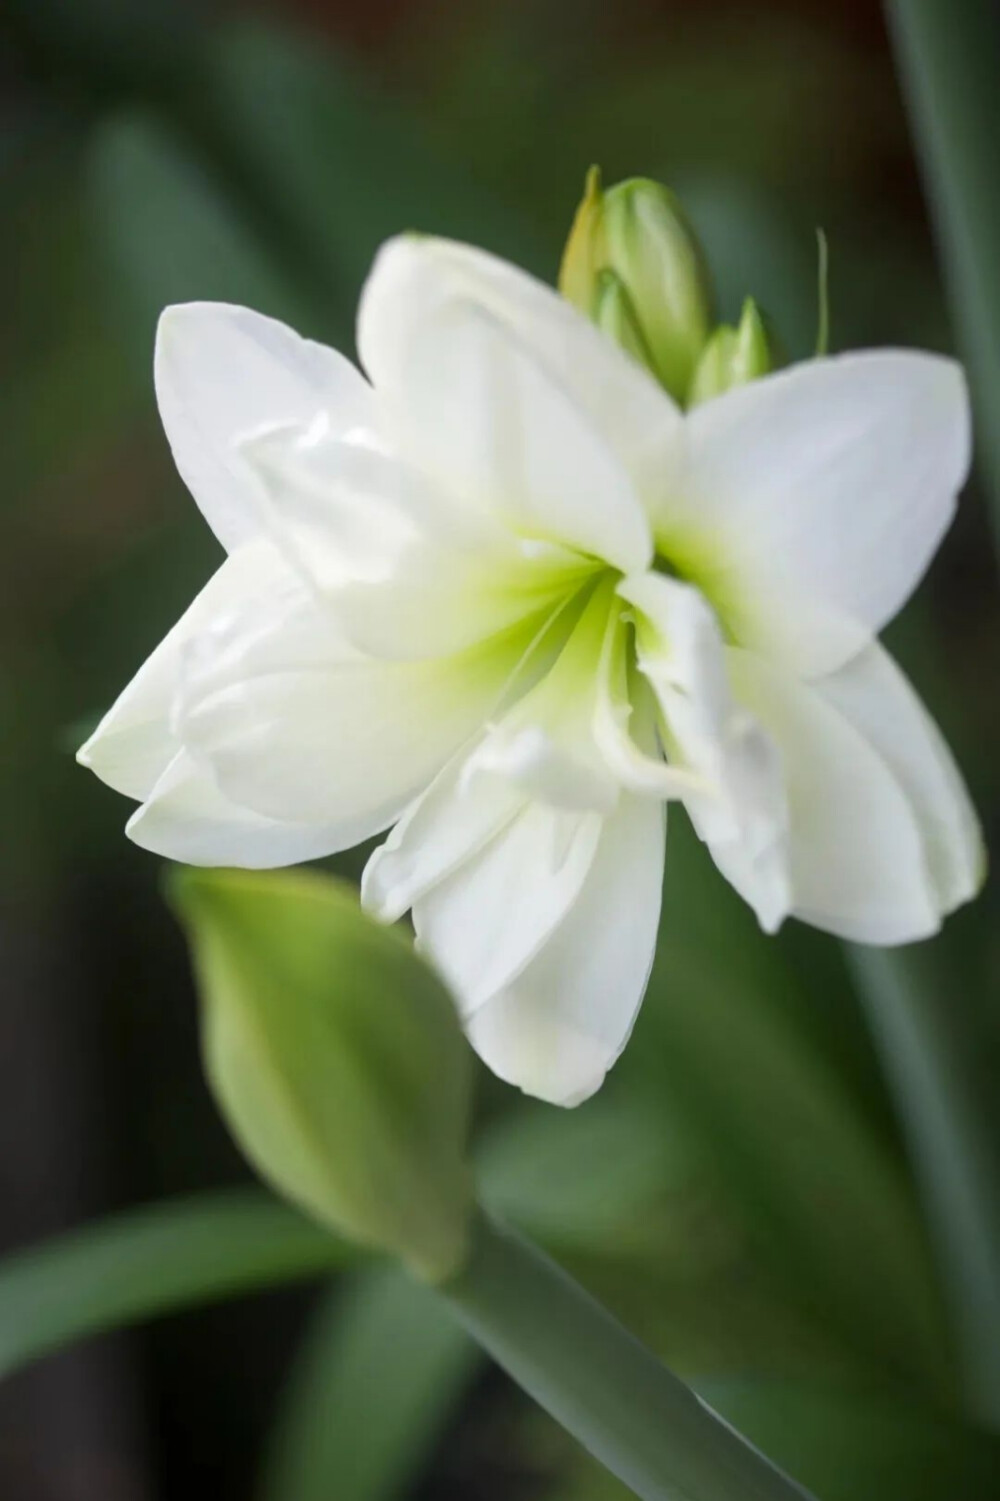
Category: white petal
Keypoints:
(545, 744)
(298, 726)
(411, 574)
(187, 818)
(816, 497)
(858, 862)
(133, 745)
(485, 922)
(477, 411)
(557, 1029)
(415, 276)
(442, 829)
(874, 696)
(738, 804)
(544, 766)
(624, 722)
(222, 371)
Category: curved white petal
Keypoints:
(875, 697)
(221, 372)
(545, 766)
(481, 925)
(442, 829)
(857, 854)
(410, 573)
(478, 412)
(738, 804)
(545, 743)
(414, 277)
(558, 1027)
(624, 722)
(187, 818)
(297, 725)
(134, 744)
(811, 501)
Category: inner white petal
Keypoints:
(740, 808)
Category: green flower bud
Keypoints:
(614, 315)
(336, 1057)
(638, 231)
(733, 356)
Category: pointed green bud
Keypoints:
(733, 356)
(614, 315)
(638, 231)
(336, 1057)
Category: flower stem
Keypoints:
(948, 54)
(599, 1382)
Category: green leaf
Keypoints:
(173, 233)
(938, 1051)
(337, 164)
(948, 53)
(825, 1200)
(846, 1444)
(860, 1445)
(152, 1261)
(336, 1057)
(584, 1180)
(380, 1374)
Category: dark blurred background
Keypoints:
(742, 1192)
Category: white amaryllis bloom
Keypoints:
(503, 596)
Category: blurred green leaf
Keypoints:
(624, 1195)
(587, 1180)
(173, 233)
(860, 1445)
(845, 1444)
(826, 1203)
(380, 1373)
(152, 1261)
(340, 166)
(948, 53)
(939, 1052)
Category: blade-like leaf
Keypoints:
(173, 233)
(938, 1057)
(151, 1261)
(846, 1444)
(824, 1197)
(340, 166)
(381, 1371)
(580, 1180)
(861, 1445)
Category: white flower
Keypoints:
(504, 596)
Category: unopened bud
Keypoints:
(733, 356)
(336, 1057)
(638, 231)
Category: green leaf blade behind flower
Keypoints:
(153, 1261)
(172, 231)
(824, 1197)
(338, 166)
(379, 1375)
(845, 1442)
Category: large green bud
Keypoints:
(633, 264)
(733, 356)
(336, 1057)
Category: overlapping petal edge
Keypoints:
(503, 598)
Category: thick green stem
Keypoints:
(948, 52)
(602, 1385)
